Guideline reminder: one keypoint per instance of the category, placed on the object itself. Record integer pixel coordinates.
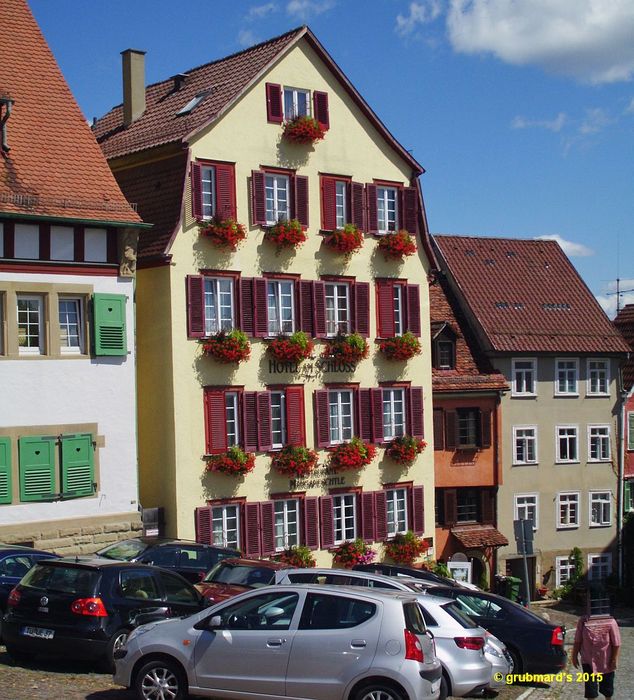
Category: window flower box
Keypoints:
(225, 233)
(351, 455)
(227, 347)
(294, 461)
(345, 240)
(404, 449)
(405, 548)
(350, 553)
(303, 130)
(291, 348)
(346, 348)
(286, 234)
(235, 462)
(298, 556)
(401, 347)
(397, 245)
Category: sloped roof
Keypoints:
(55, 167)
(624, 321)
(471, 536)
(526, 296)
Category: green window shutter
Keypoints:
(630, 430)
(37, 468)
(5, 470)
(77, 465)
(109, 324)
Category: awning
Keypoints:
(479, 536)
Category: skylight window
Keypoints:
(192, 104)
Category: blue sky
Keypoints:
(521, 111)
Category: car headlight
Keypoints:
(490, 649)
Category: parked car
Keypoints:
(233, 576)
(350, 577)
(84, 608)
(496, 653)
(288, 641)
(535, 645)
(192, 560)
(396, 570)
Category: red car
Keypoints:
(233, 576)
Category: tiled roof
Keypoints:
(624, 321)
(55, 167)
(527, 296)
(479, 536)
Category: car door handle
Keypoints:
(275, 642)
(358, 643)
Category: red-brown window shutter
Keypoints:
(319, 309)
(306, 307)
(274, 112)
(216, 421)
(485, 428)
(267, 524)
(252, 530)
(418, 510)
(357, 205)
(487, 507)
(320, 108)
(377, 414)
(202, 522)
(322, 418)
(413, 309)
(380, 513)
(327, 522)
(295, 420)
(261, 325)
(197, 197)
(225, 190)
(451, 430)
(250, 421)
(264, 421)
(258, 198)
(415, 406)
(371, 202)
(195, 306)
(410, 209)
(247, 306)
(439, 432)
(364, 405)
(362, 308)
(385, 308)
(301, 199)
(311, 522)
(451, 507)
(399, 199)
(328, 203)
(368, 520)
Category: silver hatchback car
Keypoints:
(303, 642)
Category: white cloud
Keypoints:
(571, 249)
(303, 9)
(247, 38)
(555, 124)
(596, 120)
(260, 11)
(608, 300)
(590, 40)
(419, 13)
(630, 108)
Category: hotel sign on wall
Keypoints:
(311, 369)
(322, 476)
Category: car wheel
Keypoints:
(444, 688)
(20, 657)
(117, 641)
(160, 679)
(378, 691)
(516, 658)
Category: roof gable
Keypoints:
(624, 322)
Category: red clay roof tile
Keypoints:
(479, 536)
(624, 322)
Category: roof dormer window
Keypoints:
(192, 104)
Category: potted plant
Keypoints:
(298, 556)
(405, 547)
(294, 461)
(224, 233)
(303, 130)
(286, 234)
(397, 245)
(351, 455)
(235, 462)
(345, 240)
(352, 552)
(401, 347)
(403, 449)
(291, 348)
(346, 348)
(227, 346)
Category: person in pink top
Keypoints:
(598, 641)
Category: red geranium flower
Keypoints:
(225, 233)
(397, 245)
(304, 130)
(286, 234)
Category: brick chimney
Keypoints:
(133, 65)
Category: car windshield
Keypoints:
(240, 575)
(123, 551)
(62, 579)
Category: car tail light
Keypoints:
(413, 649)
(14, 597)
(469, 642)
(557, 637)
(92, 607)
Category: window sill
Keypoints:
(595, 526)
(525, 464)
(565, 396)
(597, 396)
(607, 460)
(572, 461)
(567, 527)
(523, 396)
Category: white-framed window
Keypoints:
(296, 103)
(281, 306)
(524, 380)
(219, 305)
(567, 448)
(233, 421)
(393, 413)
(599, 443)
(337, 308)
(566, 377)
(599, 566)
(628, 496)
(598, 377)
(30, 309)
(26, 244)
(396, 500)
(286, 523)
(568, 509)
(278, 419)
(62, 243)
(525, 444)
(399, 315)
(225, 526)
(341, 415)
(208, 191)
(630, 430)
(468, 428)
(277, 198)
(341, 203)
(445, 350)
(71, 328)
(527, 508)
(600, 508)
(345, 517)
(387, 208)
(564, 570)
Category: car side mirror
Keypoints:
(209, 623)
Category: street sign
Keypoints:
(524, 535)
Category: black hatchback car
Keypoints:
(84, 608)
(191, 560)
(15, 562)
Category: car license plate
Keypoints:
(38, 632)
(435, 685)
